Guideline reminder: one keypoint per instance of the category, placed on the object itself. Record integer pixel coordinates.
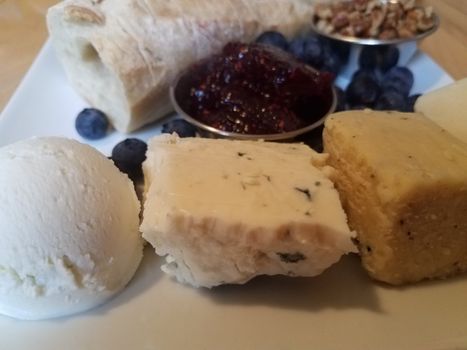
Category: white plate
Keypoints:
(341, 309)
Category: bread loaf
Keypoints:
(122, 55)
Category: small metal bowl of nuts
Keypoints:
(375, 22)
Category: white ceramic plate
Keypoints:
(341, 309)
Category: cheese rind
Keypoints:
(403, 182)
(226, 211)
(447, 107)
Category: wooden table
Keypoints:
(23, 32)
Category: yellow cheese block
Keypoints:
(403, 182)
(447, 107)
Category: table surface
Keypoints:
(23, 32)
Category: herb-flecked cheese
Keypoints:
(224, 211)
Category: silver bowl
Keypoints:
(209, 131)
(408, 47)
(372, 41)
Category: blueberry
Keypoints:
(363, 90)
(364, 72)
(180, 126)
(369, 57)
(91, 124)
(378, 57)
(341, 102)
(307, 49)
(389, 57)
(391, 100)
(400, 79)
(341, 49)
(274, 39)
(128, 155)
(410, 103)
(331, 61)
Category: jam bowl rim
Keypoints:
(244, 136)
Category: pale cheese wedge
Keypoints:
(447, 107)
(226, 211)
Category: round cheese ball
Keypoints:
(68, 228)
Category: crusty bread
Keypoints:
(403, 183)
(224, 211)
(122, 55)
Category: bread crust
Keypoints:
(122, 55)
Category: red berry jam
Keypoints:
(254, 89)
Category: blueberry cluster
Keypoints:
(378, 84)
(318, 52)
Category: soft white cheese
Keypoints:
(68, 228)
(226, 211)
(447, 107)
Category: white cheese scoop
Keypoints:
(68, 228)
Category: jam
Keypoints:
(254, 89)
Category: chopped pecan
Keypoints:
(323, 11)
(429, 12)
(325, 27)
(407, 28)
(425, 24)
(378, 15)
(373, 18)
(75, 13)
(408, 4)
(415, 14)
(361, 28)
(388, 34)
(340, 20)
